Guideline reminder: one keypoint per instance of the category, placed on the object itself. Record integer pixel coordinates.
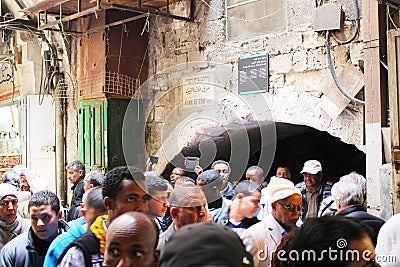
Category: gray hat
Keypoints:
(7, 190)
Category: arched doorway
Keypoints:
(294, 145)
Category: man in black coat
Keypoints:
(349, 198)
(75, 174)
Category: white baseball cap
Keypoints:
(312, 166)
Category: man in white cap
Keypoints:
(11, 225)
(313, 191)
(262, 238)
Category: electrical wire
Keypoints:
(357, 11)
(334, 76)
(390, 18)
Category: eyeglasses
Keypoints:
(291, 207)
(6, 203)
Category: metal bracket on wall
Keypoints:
(66, 10)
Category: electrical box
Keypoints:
(328, 17)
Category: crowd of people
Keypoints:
(130, 217)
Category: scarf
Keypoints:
(99, 229)
(9, 227)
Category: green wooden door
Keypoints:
(92, 143)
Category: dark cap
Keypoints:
(205, 244)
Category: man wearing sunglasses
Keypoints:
(262, 238)
(11, 224)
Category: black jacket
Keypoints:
(78, 192)
(359, 213)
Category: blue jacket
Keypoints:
(62, 241)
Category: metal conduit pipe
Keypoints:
(351, 39)
(334, 76)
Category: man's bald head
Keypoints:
(131, 241)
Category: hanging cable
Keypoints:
(390, 18)
(335, 78)
(357, 11)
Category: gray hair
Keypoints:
(221, 162)
(255, 168)
(187, 196)
(77, 165)
(95, 178)
(347, 193)
(94, 199)
(354, 177)
(10, 177)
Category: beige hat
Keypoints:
(312, 166)
(280, 188)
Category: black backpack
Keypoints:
(90, 246)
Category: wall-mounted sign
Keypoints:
(9, 161)
(253, 74)
(8, 88)
(198, 89)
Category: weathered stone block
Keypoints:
(280, 64)
(312, 40)
(158, 113)
(276, 81)
(340, 55)
(181, 58)
(299, 12)
(185, 47)
(300, 61)
(356, 53)
(316, 59)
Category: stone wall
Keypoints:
(299, 74)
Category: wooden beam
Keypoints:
(43, 5)
(373, 119)
(394, 97)
(68, 18)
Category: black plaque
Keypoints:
(253, 74)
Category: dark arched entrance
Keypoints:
(294, 145)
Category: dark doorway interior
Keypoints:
(294, 145)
